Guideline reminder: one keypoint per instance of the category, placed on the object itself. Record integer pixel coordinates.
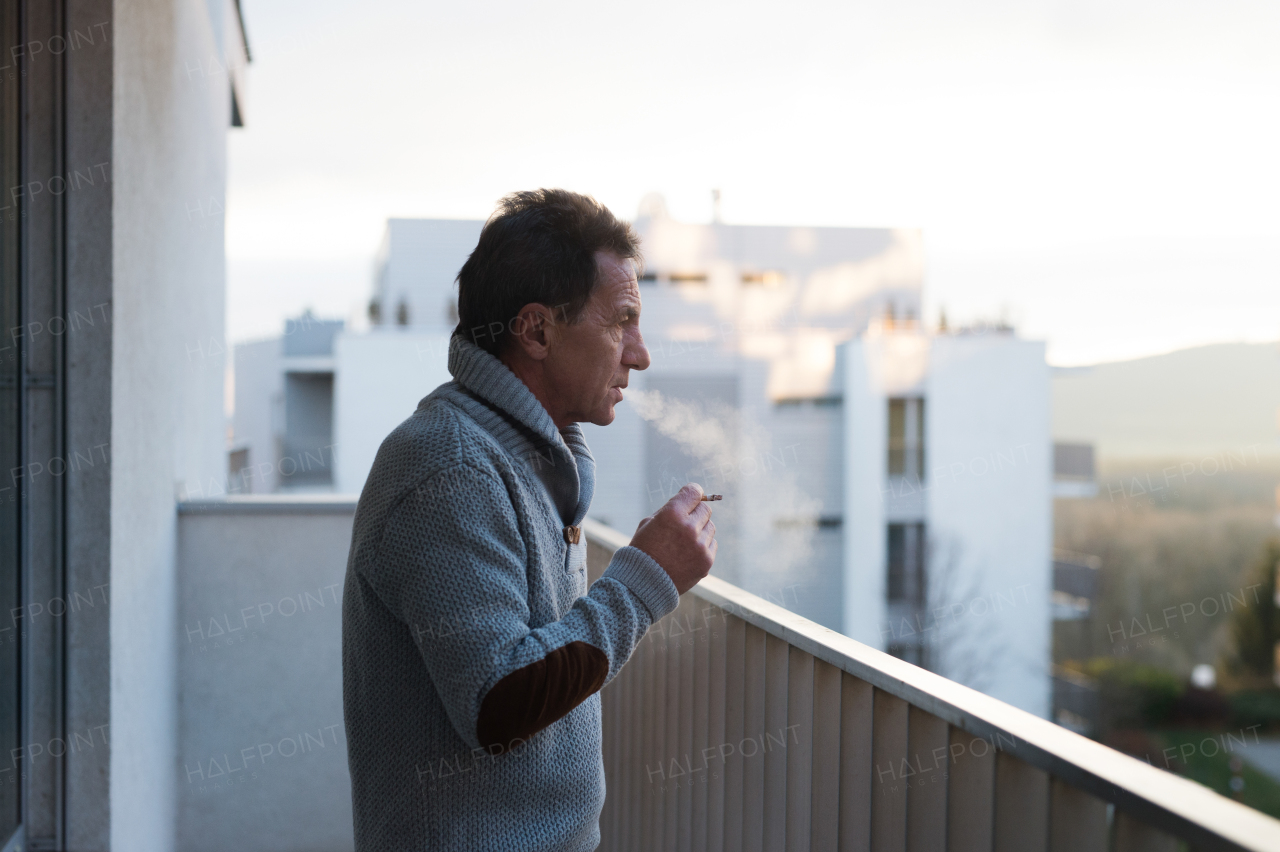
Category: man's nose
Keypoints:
(636, 355)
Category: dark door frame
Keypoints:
(55, 267)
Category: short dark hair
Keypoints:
(538, 246)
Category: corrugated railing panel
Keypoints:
(799, 749)
(927, 750)
(857, 750)
(753, 726)
(888, 789)
(1022, 806)
(773, 743)
(641, 735)
(716, 738)
(620, 695)
(650, 797)
(735, 690)
(619, 784)
(634, 774)
(1077, 821)
(824, 813)
(609, 750)
(688, 633)
(656, 834)
(624, 771)
(971, 790)
(670, 711)
(625, 777)
(700, 687)
(671, 734)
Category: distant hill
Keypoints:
(1187, 403)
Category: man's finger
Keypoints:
(707, 534)
(687, 498)
(701, 515)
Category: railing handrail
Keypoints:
(1159, 798)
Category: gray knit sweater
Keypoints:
(472, 651)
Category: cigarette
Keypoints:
(711, 498)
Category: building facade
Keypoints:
(948, 477)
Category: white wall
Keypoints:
(379, 379)
(986, 503)
(834, 278)
(419, 260)
(257, 420)
(169, 178)
(798, 471)
(989, 454)
(864, 466)
(262, 752)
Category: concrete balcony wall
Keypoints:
(736, 725)
(262, 754)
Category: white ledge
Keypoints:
(272, 504)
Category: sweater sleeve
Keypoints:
(452, 565)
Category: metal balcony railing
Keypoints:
(738, 725)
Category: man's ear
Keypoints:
(533, 330)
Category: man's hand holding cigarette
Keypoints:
(680, 537)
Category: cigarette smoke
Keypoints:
(739, 457)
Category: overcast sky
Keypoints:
(1103, 173)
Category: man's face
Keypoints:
(592, 358)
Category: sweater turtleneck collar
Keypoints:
(489, 380)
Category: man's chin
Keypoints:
(604, 416)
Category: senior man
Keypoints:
(472, 650)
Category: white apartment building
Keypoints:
(792, 375)
(948, 481)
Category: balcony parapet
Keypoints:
(271, 504)
(855, 749)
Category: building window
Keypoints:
(688, 278)
(822, 522)
(906, 564)
(770, 278)
(307, 451)
(906, 437)
(237, 465)
(795, 402)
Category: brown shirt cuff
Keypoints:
(529, 699)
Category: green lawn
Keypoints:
(1209, 764)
